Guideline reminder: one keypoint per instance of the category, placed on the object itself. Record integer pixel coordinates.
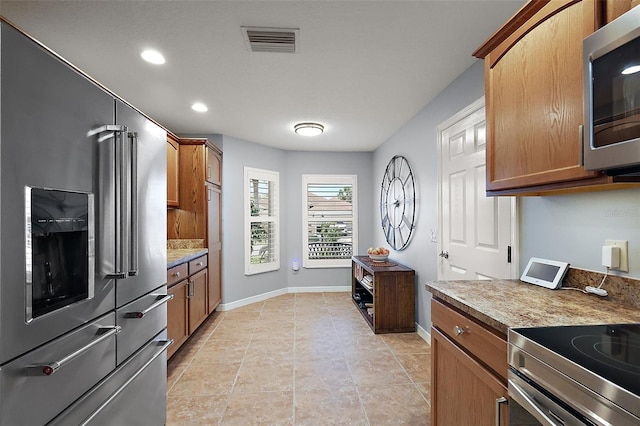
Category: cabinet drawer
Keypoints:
(177, 273)
(197, 264)
(489, 348)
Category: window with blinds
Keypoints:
(329, 220)
(262, 249)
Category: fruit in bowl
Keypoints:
(378, 254)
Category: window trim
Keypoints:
(272, 176)
(333, 179)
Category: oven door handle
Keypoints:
(52, 367)
(534, 407)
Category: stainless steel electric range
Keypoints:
(577, 375)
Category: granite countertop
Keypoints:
(502, 304)
(178, 256)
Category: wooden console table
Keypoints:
(384, 294)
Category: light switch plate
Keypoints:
(624, 253)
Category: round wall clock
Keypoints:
(398, 203)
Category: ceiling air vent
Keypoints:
(261, 39)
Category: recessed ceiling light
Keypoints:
(309, 129)
(152, 56)
(199, 107)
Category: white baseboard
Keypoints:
(252, 299)
(426, 336)
(280, 292)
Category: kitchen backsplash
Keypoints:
(622, 290)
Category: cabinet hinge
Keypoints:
(508, 254)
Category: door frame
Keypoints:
(515, 228)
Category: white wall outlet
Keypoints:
(434, 235)
(611, 256)
(624, 253)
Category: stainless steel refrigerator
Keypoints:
(82, 247)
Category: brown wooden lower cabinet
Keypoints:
(178, 316)
(463, 390)
(215, 284)
(198, 299)
(189, 284)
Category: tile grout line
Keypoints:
(412, 382)
(244, 357)
(295, 361)
(362, 407)
(334, 314)
(191, 357)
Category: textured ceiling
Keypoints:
(363, 68)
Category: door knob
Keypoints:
(444, 254)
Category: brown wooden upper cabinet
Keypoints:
(199, 215)
(533, 96)
(173, 161)
(615, 8)
(214, 166)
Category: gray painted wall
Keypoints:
(570, 227)
(236, 155)
(299, 163)
(291, 165)
(573, 228)
(417, 140)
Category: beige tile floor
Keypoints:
(298, 359)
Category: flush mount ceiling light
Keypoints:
(309, 129)
(152, 56)
(199, 107)
(631, 69)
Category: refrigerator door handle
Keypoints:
(123, 196)
(113, 128)
(111, 208)
(133, 266)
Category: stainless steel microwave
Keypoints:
(611, 59)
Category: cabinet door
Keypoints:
(614, 8)
(215, 280)
(214, 166)
(177, 316)
(197, 299)
(462, 391)
(189, 221)
(214, 243)
(172, 172)
(534, 99)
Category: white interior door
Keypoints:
(477, 234)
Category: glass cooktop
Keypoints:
(610, 351)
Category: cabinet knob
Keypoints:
(457, 330)
(177, 274)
